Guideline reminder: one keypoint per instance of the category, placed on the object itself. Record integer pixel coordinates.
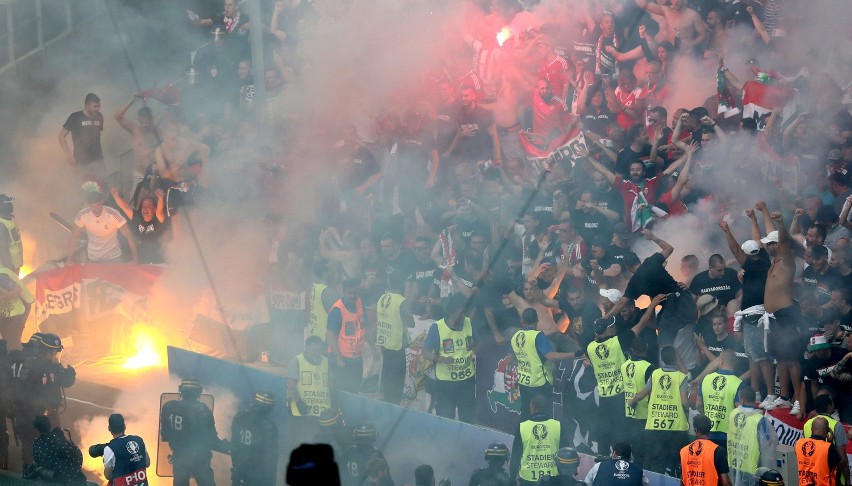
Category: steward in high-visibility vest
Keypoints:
(534, 355)
(666, 425)
(751, 440)
(718, 396)
(536, 443)
(607, 355)
(450, 345)
(636, 372)
(345, 337)
(393, 317)
(11, 247)
(816, 457)
(824, 406)
(703, 463)
(308, 380)
(321, 299)
(15, 303)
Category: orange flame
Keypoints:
(150, 349)
(30, 248)
(503, 36)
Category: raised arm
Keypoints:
(733, 245)
(121, 203)
(273, 22)
(758, 25)
(126, 124)
(767, 218)
(649, 314)
(796, 228)
(683, 177)
(601, 168)
(665, 248)
(160, 213)
(679, 162)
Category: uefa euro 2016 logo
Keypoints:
(719, 383)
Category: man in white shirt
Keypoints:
(102, 224)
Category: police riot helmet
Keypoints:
(567, 461)
(365, 433)
(190, 387)
(768, 477)
(497, 452)
(264, 399)
(331, 417)
(34, 340)
(50, 342)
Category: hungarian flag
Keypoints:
(760, 96)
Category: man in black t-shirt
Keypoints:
(820, 276)
(476, 138)
(651, 278)
(719, 281)
(85, 128)
(398, 262)
(582, 314)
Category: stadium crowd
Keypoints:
(529, 190)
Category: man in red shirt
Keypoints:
(554, 67)
(551, 117)
(637, 192)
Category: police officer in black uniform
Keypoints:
(12, 391)
(567, 463)
(333, 431)
(188, 426)
(359, 454)
(40, 383)
(496, 455)
(126, 456)
(254, 444)
(619, 470)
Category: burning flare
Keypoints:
(149, 348)
(503, 36)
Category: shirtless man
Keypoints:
(145, 137)
(679, 19)
(785, 342)
(541, 300)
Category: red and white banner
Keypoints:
(564, 147)
(789, 428)
(97, 290)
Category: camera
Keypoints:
(97, 450)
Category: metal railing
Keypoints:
(27, 27)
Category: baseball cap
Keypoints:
(818, 341)
(772, 237)
(706, 303)
(612, 295)
(835, 155)
(826, 213)
(602, 324)
(751, 247)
